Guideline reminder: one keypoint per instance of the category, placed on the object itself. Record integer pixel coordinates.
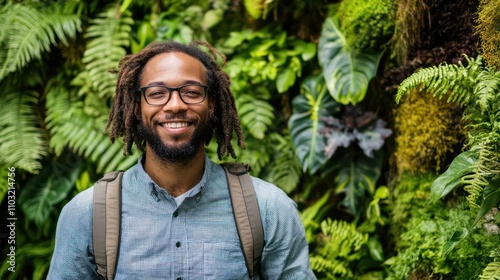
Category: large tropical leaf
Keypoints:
(357, 176)
(23, 144)
(305, 123)
(28, 31)
(347, 72)
(255, 114)
(50, 187)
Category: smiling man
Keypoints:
(176, 215)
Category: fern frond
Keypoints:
(487, 90)
(71, 127)
(28, 31)
(456, 80)
(341, 246)
(23, 144)
(332, 269)
(491, 272)
(255, 114)
(109, 35)
(286, 170)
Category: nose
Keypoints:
(175, 103)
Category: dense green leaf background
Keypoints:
(296, 81)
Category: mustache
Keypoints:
(178, 117)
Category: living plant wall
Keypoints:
(380, 118)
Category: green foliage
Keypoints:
(488, 29)
(257, 8)
(346, 72)
(70, 126)
(427, 132)
(108, 36)
(477, 88)
(367, 24)
(29, 31)
(409, 22)
(56, 92)
(38, 253)
(23, 143)
(313, 215)
(420, 245)
(257, 115)
(340, 246)
(286, 170)
(462, 165)
(491, 272)
(45, 190)
(455, 81)
(266, 55)
(305, 123)
(358, 189)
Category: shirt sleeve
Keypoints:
(286, 252)
(73, 253)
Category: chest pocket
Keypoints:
(223, 261)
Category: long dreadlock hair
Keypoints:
(122, 120)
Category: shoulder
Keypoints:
(79, 205)
(269, 193)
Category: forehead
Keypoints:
(174, 68)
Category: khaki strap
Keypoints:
(246, 214)
(106, 223)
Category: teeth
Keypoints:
(174, 125)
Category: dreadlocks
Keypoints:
(122, 120)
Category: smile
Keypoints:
(175, 125)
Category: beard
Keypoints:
(169, 153)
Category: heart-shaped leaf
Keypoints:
(347, 71)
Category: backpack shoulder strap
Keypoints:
(106, 216)
(246, 214)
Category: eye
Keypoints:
(156, 92)
(192, 91)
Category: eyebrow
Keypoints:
(186, 82)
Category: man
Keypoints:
(177, 221)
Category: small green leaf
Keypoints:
(211, 18)
(491, 196)
(458, 236)
(309, 51)
(375, 249)
(124, 5)
(285, 80)
(450, 179)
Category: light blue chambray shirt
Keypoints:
(196, 240)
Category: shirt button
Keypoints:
(176, 213)
(178, 244)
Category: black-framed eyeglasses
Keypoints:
(160, 95)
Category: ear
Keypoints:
(211, 105)
(137, 111)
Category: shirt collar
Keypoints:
(158, 192)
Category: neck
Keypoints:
(175, 177)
